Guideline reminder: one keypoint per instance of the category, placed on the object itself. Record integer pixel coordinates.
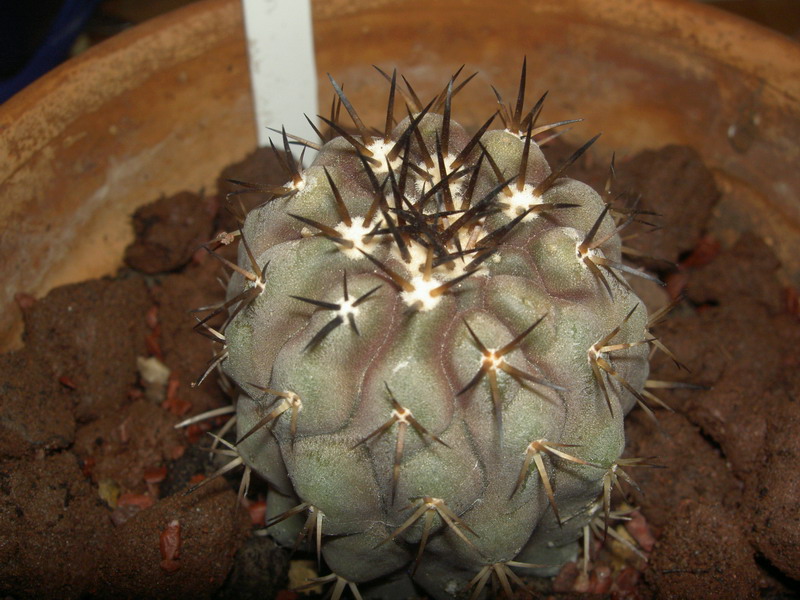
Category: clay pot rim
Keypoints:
(720, 35)
(49, 104)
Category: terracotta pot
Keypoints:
(166, 105)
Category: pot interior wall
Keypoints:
(165, 106)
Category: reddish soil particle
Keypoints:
(169, 543)
(140, 501)
(155, 475)
(169, 231)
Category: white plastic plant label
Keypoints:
(280, 42)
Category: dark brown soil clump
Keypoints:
(93, 472)
(169, 231)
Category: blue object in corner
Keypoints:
(18, 26)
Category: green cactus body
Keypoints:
(434, 364)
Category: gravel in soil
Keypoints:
(93, 473)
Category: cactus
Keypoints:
(435, 348)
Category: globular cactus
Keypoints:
(435, 347)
